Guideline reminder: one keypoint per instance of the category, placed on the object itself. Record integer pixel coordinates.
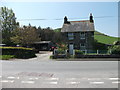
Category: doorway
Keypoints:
(71, 48)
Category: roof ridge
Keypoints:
(80, 21)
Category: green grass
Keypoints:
(57, 30)
(102, 38)
(16, 48)
(6, 57)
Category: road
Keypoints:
(41, 72)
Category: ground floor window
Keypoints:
(82, 46)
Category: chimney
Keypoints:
(91, 18)
(65, 19)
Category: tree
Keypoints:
(115, 49)
(7, 24)
(46, 34)
(25, 35)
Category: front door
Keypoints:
(71, 48)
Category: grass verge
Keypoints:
(6, 57)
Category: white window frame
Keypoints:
(70, 36)
(82, 35)
(82, 47)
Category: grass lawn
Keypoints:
(6, 57)
(102, 38)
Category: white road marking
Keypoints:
(33, 78)
(31, 82)
(113, 78)
(71, 78)
(7, 81)
(13, 77)
(51, 82)
(96, 82)
(72, 82)
(116, 82)
(52, 79)
(94, 78)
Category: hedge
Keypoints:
(79, 52)
(6, 57)
(18, 52)
(115, 49)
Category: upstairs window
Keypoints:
(82, 35)
(82, 45)
(70, 36)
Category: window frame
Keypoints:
(70, 36)
(82, 35)
(82, 47)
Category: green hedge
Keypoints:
(78, 52)
(18, 52)
(115, 49)
(61, 51)
(6, 57)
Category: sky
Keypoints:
(51, 14)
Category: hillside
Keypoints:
(100, 37)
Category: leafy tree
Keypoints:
(115, 49)
(117, 42)
(59, 37)
(25, 35)
(99, 46)
(7, 24)
(48, 34)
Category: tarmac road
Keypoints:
(41, 72)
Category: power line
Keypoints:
(42, 19)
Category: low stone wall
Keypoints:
(97, 56)
(59, 56)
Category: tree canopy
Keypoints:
(25, 35)
(7, 24)
(12, 33)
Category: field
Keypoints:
(102, 38)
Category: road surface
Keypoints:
(41, 72)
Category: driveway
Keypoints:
(41, 56)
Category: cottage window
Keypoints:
(70, 36)
(82, 46)
(82, 35)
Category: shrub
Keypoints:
(78, 52)
(18, 52)
(51, 57)
(61, 51)
(115, 49)
(6, 57)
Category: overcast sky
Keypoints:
(51, 14)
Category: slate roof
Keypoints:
(78, 26)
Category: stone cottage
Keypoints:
(80, 34)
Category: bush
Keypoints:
(18, 52)
(6, 57)
(61, 51)
(78, 52)
(115, 49)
